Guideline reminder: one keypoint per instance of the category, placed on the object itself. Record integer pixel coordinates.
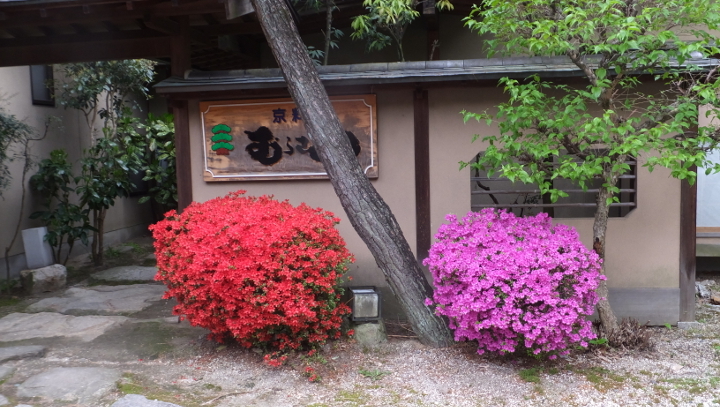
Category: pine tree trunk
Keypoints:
(365, 208)
(608, 321)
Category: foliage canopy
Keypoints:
(12, 131)
(590, 131)
(649, 70)
(386, 21)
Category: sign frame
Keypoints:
(356, 112)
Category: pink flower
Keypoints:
(505, 281)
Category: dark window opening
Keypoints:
(41, 77)
(526, 199)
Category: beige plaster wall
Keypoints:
(642, 248)
(70, 133)
(457, 41)
(395, 183)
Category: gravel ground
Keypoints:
(684, 370)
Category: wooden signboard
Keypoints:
(266, 140)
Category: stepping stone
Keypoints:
(4, 401)
(126, 274)
(370, 335)
(136, 400)
(18, 326)
(44, 279)
(71, 384)
(5, 372)
(102, 300)
(20, 352)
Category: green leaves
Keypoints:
(13, 131)
(642, 37)
(85, 83)
(66, 220)
(158, 163)
(588, 132)
(386, 22)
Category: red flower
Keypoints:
(259, 270)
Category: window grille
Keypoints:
(40, 77)
(526, 199)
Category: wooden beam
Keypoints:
(167, 26)
(90, 50)
(232, 29)
(422, 173)
(78, 39)
(110, 26)
(47, 31)
(79, 29)
(210, 19)
(28, 6)
(109, 12)
(688, 207)
(16, 32)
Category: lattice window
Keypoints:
(41, 77)
(526, 199)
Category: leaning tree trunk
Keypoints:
(608, 321)
(368, 213)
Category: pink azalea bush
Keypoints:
(512, 282)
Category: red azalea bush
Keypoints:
(259, 270)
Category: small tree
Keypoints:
(549, 130)
(386, 21)
(66, 220)
(331, 35)
(100, 90)
(158, 163)
(14, 133)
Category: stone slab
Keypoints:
(44, 279)
(126, 274)
(702, 288)
(687, 325)
(6, 371)
(370, 335)
(136, 400)
(4, 401)
(21, 352)
(19, 326)
(102, 300)
(70, 384)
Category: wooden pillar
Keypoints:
(422, 173)
(688, 206)
(179, 63)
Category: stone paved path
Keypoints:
(110, 324)
(102, 300)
